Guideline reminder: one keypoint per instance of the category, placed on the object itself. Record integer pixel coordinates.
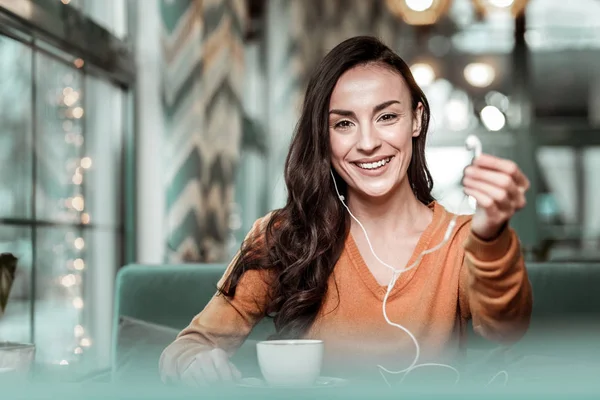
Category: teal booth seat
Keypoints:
(168, 295)
(154, 302)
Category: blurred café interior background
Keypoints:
(155, 131)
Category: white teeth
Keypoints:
(374, 165)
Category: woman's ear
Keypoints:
(417, 120)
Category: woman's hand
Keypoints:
(499, 187)
(210, 367)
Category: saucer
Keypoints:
(321, 382)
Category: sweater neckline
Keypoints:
(367, 276)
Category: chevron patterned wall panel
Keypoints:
(202, 44)
(318, 26)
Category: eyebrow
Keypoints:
(377, 108)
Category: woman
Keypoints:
(364, 121)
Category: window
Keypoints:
(65, 140)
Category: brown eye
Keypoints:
(388, 117)
(343, 124)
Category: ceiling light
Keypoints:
(492, 118)
(418, 12)
(479, 74)
(423, 74)
(419, 5)
(488, 6)
(501, 3)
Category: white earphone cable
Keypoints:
(473, 144)
(395, 276)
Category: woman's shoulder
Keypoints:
(445, 216)
(446, 211)
(260, 224)
(259, 227)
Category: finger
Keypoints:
(207, 368)
(521, 201)
(505, 199)
(496, 178)
(222, 365)
(483, 200)
(192, 375)
(508, 167)
(502, 197)
(194, 378)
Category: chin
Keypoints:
(375, 188)
(375, 193)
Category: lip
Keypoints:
(371, 160)
(374, 172)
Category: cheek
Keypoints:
(339, 147)
(398, 135)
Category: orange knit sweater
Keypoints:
(466, 279)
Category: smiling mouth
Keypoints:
(374, 165)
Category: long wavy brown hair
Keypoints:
(303, 240)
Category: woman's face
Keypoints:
(371, 126)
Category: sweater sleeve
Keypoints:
(494, 287)
(223, 323)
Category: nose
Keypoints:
(368, 140)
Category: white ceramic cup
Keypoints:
(290, 363)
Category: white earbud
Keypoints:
(341, 197)
(474, 144)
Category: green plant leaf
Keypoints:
(8, 268)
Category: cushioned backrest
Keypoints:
(565, 295)
(168, 295)
(171, 295)
(565, 290)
